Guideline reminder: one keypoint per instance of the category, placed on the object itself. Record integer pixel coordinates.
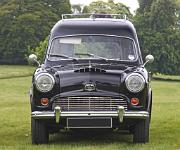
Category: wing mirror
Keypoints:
(33, 59)
(149, 59)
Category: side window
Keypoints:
(128, 49)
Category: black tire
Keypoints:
(39, 132)
(141, 131)
(150, 110)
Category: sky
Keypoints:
(132, 4)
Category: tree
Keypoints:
(159, 36)
(24, 24)
(107, 8)
(144, 5)
(40, 49)
(162, 15)
(178, 13)
(77, 8)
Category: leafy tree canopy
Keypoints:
(24, 23)
(107, 8)
(159, 35)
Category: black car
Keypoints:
(93, 77)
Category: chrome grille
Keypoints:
(90, 103)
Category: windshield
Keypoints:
(92, 46)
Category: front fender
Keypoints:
(149, 100)
(31, 98)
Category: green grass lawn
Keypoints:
(15, 122)
(166, 77)
(10, 71)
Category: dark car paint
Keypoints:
(109, 80)
(90, 27)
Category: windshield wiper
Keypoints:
(93, 55)
(63, 56)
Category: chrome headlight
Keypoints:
(135, 82)
(44, 82)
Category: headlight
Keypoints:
(135, 82)
(44, 82)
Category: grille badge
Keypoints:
(89, 87)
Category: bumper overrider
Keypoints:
(121, 114)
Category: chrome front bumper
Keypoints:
(120, 113)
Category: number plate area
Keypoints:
(89, 122)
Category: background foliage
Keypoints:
(108, 8)
(157, 24)
(24, 24)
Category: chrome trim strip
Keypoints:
(93, 16)
(57, 113)
(90, 103)
(121, 113)
(127, 114)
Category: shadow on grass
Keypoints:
(93, 138)
(16, 76)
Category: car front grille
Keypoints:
(89, 103)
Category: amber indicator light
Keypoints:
(134, 101)
(44, 101)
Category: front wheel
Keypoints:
(141, 131)
(39, 132)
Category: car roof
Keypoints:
(93, 26)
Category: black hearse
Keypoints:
(93, 77)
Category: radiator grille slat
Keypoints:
(90, 103)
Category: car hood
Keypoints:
(80, 80)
